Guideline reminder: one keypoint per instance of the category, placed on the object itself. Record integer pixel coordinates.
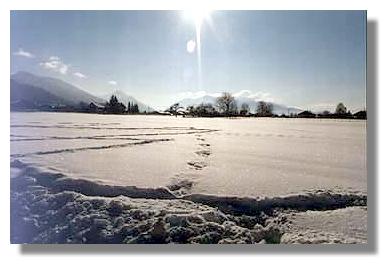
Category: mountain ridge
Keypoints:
(32, 92)
(67, 93)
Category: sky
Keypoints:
(306, 59)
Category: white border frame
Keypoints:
(230, 257)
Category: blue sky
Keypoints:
(309, 59)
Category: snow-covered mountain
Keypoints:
(277, 108)
(125, 98)
(206, 99)
(36, 91)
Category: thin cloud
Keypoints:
(63, 69)
(55, 64)
(79, 75)
(24, 53)
(112, 82)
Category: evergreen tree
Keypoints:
(114, 106)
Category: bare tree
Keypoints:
(264, 109)
(226, 104)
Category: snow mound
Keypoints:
(40, 216)
(48, 207)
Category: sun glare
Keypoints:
(198, 16)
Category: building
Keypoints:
(306, 114)
(95, 108)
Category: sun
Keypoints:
(197, 16)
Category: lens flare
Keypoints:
(198, 16)
(190, 46)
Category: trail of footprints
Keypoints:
(184, 182)
(203, 152)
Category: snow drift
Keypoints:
(48, 207)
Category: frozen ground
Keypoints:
(232, 167)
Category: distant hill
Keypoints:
(277, 108)
(29, 91)
(125, 98)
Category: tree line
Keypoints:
(226, 106)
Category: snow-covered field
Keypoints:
(273, 180)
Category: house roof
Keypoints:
(306, 112)
(97, 105)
